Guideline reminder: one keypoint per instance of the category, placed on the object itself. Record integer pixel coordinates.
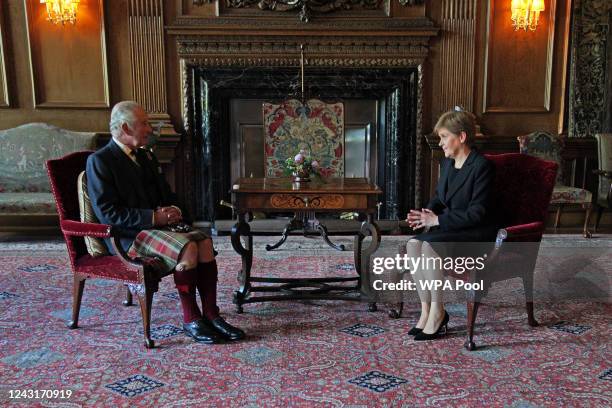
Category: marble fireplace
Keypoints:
(223, 90)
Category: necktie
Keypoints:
(134, 157)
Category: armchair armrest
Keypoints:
(86, 229)
(148, 267)
(531, 232)
(524, 232)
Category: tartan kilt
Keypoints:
(163, 244)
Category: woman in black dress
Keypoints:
(460, 211)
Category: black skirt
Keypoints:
(468, 242)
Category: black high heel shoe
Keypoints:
(414, 331)
(426, 336)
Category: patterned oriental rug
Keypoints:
(301, 353)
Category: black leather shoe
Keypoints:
(439, 333)
(200, 331)
(228, 331)
(414, 331)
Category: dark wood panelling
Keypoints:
(456, 56)
(520, 85)
(68, 62)
(146, 30)
(518, 64)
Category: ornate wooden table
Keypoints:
(283, 195)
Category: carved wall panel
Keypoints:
(146, 31)
(308, 9)
(68, 62)
(518, 64)
(295, 13)
(147, 51)
(456, 56)
(589, 66)
(4, 89)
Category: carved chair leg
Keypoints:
(77, 295)
(600, 210)
(528, 286)
(146, 300)
(396, 313)
(530, 316)
(586, 233)
(558, 216)
(128, 298)
(472, 311)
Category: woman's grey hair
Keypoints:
(123, 112)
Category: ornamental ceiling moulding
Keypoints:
(306, 8)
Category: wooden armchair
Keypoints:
(141, 275)
(522, 192)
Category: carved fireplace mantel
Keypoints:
(400, 51)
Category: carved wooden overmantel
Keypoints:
(147, 51)
(304, 11)
(307, 8)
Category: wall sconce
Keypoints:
(61, 11)
(526, 13)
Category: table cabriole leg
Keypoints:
(239, 230)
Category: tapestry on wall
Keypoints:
(316, 127)
(588, 90)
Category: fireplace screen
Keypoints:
(315, 127)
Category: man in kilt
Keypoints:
(128, 191)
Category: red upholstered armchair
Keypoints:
(522, 191)
(141, 274)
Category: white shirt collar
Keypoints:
(123, 147)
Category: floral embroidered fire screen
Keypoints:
(316, 127)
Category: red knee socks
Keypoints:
(186, 284)
(206, 281)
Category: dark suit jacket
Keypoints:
(465, 204)
(119, 194)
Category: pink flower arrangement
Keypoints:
(302, 165)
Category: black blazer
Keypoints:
(466, 203)
(118, 193)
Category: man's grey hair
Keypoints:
(123, 112)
